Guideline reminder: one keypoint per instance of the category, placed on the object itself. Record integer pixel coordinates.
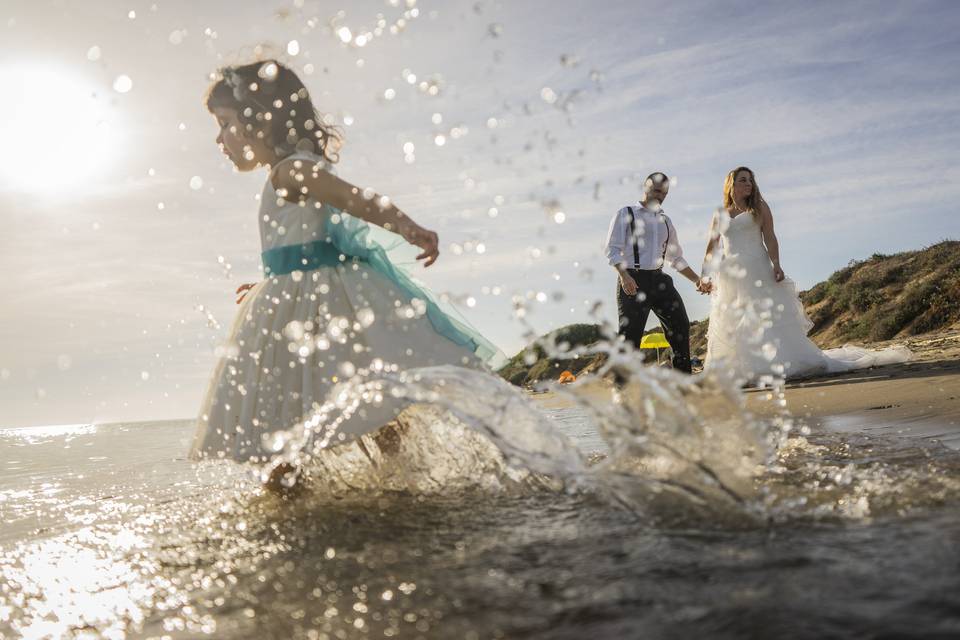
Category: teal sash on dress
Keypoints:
(348, 242)
(301, 257)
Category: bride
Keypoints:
(758, 327)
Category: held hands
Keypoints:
(242, 291)
(704, 285)
(778, 273)
(426, 240)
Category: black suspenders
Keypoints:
(636, 247)
(633, 236)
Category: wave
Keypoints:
(679, 449)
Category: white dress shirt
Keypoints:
(656, 239)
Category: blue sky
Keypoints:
(848, 112)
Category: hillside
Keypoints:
(881, 298)
(886, 297)
(533, 364)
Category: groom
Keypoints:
(641, 240)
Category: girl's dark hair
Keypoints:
(273, 104)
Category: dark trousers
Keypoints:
(655, 292)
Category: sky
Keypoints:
(126, 231)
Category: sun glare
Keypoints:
(55, 131)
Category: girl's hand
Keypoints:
(428, 241)
(778, 273)
(242, 291)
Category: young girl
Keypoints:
(332, 305)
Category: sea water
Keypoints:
(683, 522)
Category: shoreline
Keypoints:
(916, 399)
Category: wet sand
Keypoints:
(918, 399)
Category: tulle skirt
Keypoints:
(758, 327)
(296, 337)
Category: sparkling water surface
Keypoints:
(108, 531)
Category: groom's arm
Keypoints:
(615, 249)
(614, 246)
(674, 255)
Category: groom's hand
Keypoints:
(704, 285)
(628, 284)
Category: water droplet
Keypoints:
(93, 53)
(196, 183)
(366, 317)
(344, 34)
(268, 71)
(440, 140)
(122, 84)
(769, 350)
(548, 95)
(293, 48)
(495, 30)
(144, 375)
(176, 36)
(64, 361)
(436, 118)
(389, 94)
(559, 217)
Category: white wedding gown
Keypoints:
(758, 327)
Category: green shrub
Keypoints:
(865, 298)
(914, 303)
(816, 294)
(577, 335)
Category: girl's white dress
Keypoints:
(758, 326)
(332, 307)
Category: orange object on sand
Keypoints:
(566, 378)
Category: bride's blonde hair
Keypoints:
(753, 200)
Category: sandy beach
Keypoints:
(919, 399)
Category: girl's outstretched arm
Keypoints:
(296, 180)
